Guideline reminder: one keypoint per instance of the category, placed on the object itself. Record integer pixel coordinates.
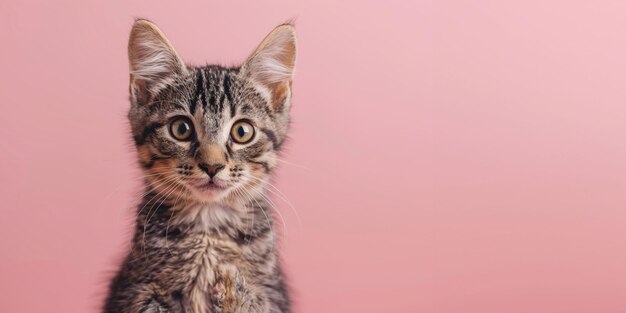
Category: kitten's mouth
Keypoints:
(209, 184)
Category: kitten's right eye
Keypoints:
(181, 128)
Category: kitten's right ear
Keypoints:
(153, 60)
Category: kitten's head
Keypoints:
(209, 133)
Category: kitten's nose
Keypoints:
(211, 169)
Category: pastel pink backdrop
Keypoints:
(448, 156)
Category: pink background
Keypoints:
(448, 156)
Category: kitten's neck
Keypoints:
(234, 216)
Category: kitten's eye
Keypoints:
(242, 132)
(181, 128)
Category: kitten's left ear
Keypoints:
(272, 64)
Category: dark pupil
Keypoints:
(182, 128)
(242, 131)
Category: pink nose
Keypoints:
(211, 169)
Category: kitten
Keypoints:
(207, 140)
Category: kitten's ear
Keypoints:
(153, 60)
(272, 64)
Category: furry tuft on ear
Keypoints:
(152, 60)
(272, 64)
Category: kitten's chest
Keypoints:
(211, 262)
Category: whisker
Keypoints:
(273, 206)
(151, 188)
(167, 228)
(293, 164)
(265, 214)
(280, 195)
(250, 225)
(154, 188)
(166, 181)
(126, 183)
(148, 216)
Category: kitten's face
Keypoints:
(209, 134)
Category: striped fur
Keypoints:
(199, 249)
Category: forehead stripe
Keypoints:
(220, 105)
(228, 94)
(198, 94)
(212, 104)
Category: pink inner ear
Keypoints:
(280, 92)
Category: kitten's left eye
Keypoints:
(181, 128)
(242, 132)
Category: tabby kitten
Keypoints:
(207, 139)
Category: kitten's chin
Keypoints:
(208, 190)
(209, 195)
